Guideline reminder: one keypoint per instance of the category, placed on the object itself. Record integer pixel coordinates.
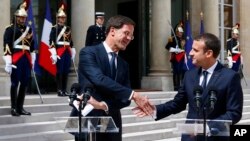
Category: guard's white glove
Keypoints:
(172, 49)
(73, 54)
(53, 55)
(176, 50)
(180, 50)
(230, 61)
(33, 59)
(8, 63)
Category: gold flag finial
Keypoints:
(201, 14)
(187, 14)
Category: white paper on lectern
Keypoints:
(88, 108)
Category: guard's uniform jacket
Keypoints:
(175, 57)
(233, 48)
(60, 38)
(18, 42)
(95, 35)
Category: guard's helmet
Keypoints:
(179, 27)
(235, 29)
(21, 10)
(61, 12)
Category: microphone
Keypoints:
(75, 89)
(212, 97)
(197, 98)
(88, 91)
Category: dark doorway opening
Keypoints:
(131, 54)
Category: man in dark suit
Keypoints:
(225, 83)
(101, 67)
(96, 33)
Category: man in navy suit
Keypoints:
(101, 67)
(225, 83)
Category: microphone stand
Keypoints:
(81, 106)
(80, 119)
(205, 123)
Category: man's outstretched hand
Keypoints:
(143, 104)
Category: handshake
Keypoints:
(144, 106)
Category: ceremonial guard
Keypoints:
(96, 33)
(62, 51)
(233, 49)
(175, 46)
(19, 58)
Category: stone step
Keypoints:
(35, 117)
(54, 107)
(127, 116)
(54, 99)
(43, 127)
(56, 135)
(5, 110)
(148, 135)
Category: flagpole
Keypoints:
(37, 86)
(186, 59)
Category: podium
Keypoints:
(89, 126)
(198, 130)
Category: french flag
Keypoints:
(44, 58)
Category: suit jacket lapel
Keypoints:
(119, 68)
(102, 54)
(212, 80)
(215, 75)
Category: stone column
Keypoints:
(82, 16)
(160, 76)
(244, 38)
(211, 16)
(5, 21)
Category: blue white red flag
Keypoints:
(188, 46)
(30, 22)
(44, 58)
(201, 27)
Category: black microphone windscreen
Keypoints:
(75, 87)
(198, 89)
(89, 88)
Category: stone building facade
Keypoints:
(152, 69)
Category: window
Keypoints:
(227, 19)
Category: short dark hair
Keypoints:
(211, 41)
(117, 22)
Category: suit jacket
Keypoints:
(94, 69)
(229, 96)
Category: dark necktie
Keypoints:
(112, 65)
(204, 82)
